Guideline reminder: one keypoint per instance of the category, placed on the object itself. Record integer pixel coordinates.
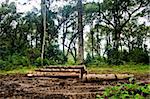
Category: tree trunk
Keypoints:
(43, 9)
(63, 41)
(80, 34)
(103, 77)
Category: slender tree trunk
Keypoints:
(107, 44)
(75, 49)
(98, 42)
(80, 34)
(63, 41)
(36, 42)
(92, 38)
(75, 53)
(43, 8)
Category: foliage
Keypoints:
(32, 54)
(88, 58)
(13, 62)
(112, 21)
(97, 60)
(115, 57)
(119, 30)
(138, 55)
(54, 54)
(123, 91)
(32, 57)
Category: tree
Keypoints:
(43, 9)
(80, 33)
(115, 14)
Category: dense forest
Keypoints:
(119, 33)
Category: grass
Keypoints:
(130, 69)
(105, 69)
(20, 70)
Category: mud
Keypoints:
(22, 87)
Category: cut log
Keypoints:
(81, 69)
(124, 76)
(58, 70)
(66, 67)
(101, 77)
(54, 75)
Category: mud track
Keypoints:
(22, 87)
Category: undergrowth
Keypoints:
(126, 91)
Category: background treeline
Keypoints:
(116, 36)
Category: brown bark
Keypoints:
(101, 77)
(80, 34)
(43, 8)
(66, 67)
(54, 75)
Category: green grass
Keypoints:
(20, 70)
(105, 69)
(131, 69)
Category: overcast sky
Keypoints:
(36, 3)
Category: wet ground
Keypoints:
(22, 87)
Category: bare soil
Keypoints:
(23, 87)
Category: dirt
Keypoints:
(22, 87)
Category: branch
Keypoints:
(73, 37)
(108, 21)
(130, 15)
(70, 51)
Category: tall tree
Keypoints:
(80, 33)
(43, 9)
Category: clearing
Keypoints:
(14, 85)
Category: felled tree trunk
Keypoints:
(101, 77)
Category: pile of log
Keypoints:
(75, 72)
(60, 72)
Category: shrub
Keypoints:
(37, 62)
(46, 61)
(126, 91)
(115, 57)
(88, 58)
(13, 62)
(16, 60)
(4, 65)
(32, 54)
(138, 55)
(97, 60)
(54, 54)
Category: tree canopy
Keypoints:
(115, 34)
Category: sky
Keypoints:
(36, 3)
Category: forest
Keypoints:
(107, 36)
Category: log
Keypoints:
(66, 67)
(53, 75)
(124, 76)
(102, 77)
(58, 70)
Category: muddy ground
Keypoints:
(22, 87)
